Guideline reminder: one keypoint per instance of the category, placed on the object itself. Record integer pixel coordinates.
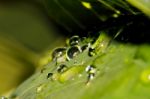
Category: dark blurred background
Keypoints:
(26, 32)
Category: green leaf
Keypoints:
(143, 5)
(121, 74)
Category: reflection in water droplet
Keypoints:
(145, 76)
(84, 47)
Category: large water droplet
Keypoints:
(85, 47)
(73, 51)
(58, 55)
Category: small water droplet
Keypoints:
(145, 76)
(49, 75)
(91, 76)
(74, 40)
(62, 68)
(57, 53)
(91, 71)
(73, 51)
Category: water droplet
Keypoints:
(74, 40)
(49, 75)
(58, 55)
(91, 76)
(91, 71)
(85, 47)
(73, 51)
(145, 76)
(62, 68)
(91, 52)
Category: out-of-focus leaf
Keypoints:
(143, 5)
(28, 24)
(16, 64)
(24, 32)
(84, 15)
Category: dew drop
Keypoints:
(49, 75)
(91, 71)
(58, 53)
(91, 52)
(62, 68)
(74, 40)
(73, 51)
(145, 76)
(91, 76)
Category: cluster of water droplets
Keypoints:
(75, 46)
